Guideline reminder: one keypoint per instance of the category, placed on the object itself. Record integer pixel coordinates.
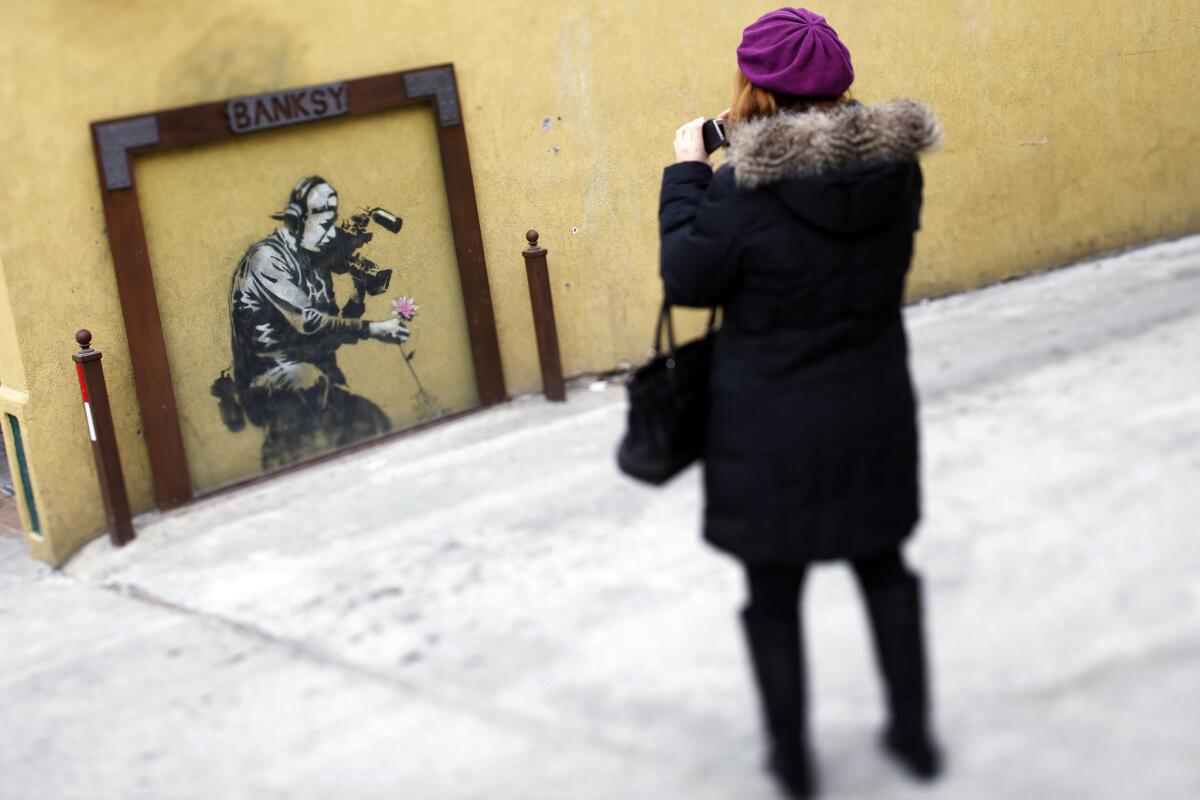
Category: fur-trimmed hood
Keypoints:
(791, 145)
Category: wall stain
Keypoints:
(233, 56)
(1140, 53)
(978, 20)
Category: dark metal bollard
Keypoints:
(104, 440)
(543, 319)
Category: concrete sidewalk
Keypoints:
(489, 610)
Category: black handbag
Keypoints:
(668, 406)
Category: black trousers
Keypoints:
(892, 595)
(775, 592)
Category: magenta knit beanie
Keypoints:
(795, 51)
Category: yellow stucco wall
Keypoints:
(1070, 130)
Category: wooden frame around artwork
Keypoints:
(117, 139)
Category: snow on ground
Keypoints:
(490, 609)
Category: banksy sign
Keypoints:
(261, 111)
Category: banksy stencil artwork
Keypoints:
(300, 271)
(288, 325)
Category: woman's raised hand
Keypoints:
(689, 143)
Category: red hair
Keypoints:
(751, 101)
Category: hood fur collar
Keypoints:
(791, 145)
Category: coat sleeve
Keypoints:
(917, 197)
(276, 281)
(698, 230)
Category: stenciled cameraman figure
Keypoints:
(287, 327)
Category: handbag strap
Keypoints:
(665, 321)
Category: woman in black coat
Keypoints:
(804, 239)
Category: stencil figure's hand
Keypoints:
(389, 330)
(360, 287)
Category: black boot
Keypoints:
(896, 623)
(777, 655)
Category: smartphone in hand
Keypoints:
(714, 135)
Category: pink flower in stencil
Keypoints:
(405, 308)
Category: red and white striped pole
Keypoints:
(104, 440)
(87, 403)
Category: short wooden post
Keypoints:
(104, 440)
(543, 319)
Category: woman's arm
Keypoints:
(698, 227)
(696, 224)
